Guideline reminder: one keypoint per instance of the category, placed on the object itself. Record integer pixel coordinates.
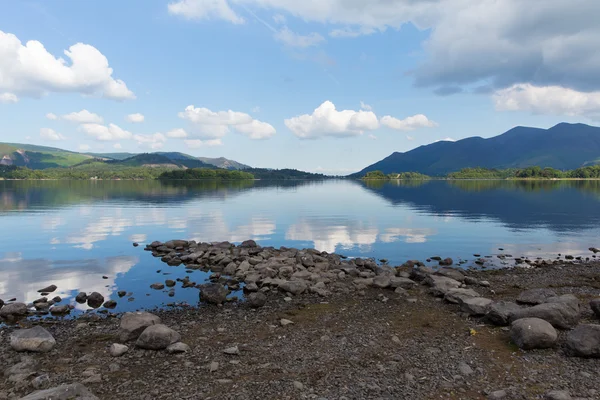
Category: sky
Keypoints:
(325, 86)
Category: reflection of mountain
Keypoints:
(558, 205)
(27, 195)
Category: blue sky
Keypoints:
(327, 85)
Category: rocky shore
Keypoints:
(314, 325)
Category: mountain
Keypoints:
(564, 146)
(41, 157)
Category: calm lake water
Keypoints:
(71, 234)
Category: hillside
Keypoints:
(181, 158)
(564, 146)
(38, 157)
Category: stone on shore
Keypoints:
(558, 395)
(535, 296)
(584, 341)
(48, 289)
(157, 286)
(95, 300)
(501, 312)
(457, 296)
(134, 323)
(560, 315)
(400, 282)
(63, 392)
(81, 297)
(440, 285)
(595, 305)
(257, 300)
(178, 348)
(533, 333)
(294, 287)
(117, 350)
(13, 310)
(36, 339)
(60, 310)
(476, 305)
(213, 293)
(157, 337)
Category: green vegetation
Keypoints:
(404, 176)
(283, 174)
(205, 173)
(591, 172)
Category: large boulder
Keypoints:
(134, 323)
(595, 305)
(35, 339)
(95, 300)
(257, 299)
(420, 272)
(64, 392)
(475, 305)
(560, 315)
(440, 285)
(451, 273)
(501, 312)
(457, 296)
(294, 287)
(404, 283)
(213, 293)
(568, 299)
(157, 337)
(584, 341)
(535, 296)
(533, 333)
(13, 310)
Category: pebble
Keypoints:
(285, 322)
(214, 366)
(298, 385)
(232, 351)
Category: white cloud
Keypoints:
(153, 142)
(177, 133)
(327, 121)
(84, 147)
(208, 124)
(553, 100)
(279, 19)
(408, 124)
(30, 70)
(52, 116)
(105, 133)
(351, 33)
(448, 139)
(372, 137)
(83, 117)
(197, 143)
(366, 107)
(117, 146)
(8, 97)
(204, 9)
(51, 134)
(135, 118)
(255, 109)
(292, 39)
(408, 137)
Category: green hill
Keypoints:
(38, 157)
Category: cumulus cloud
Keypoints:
(30, 70)
(292, 39)
(52, 116)
(408, 124)
(327, 121)
(8, 97)
(177, 133)
(553, 100)
(135, 118)
(197, 143)
(105, 133)
(51, 134)
(152, 142)
(84, 147)
(83, 117)
(204, 9)
(207, 124)
(366, 107)
(448, 139)
(117, 146)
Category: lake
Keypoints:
(78, 235)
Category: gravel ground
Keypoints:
(374, 344)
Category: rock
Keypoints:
(170, 283)
(400, 282)
(232, 351)
(257, 300)
(501, 312)
(584, 341)
(446, 261)
(285, 322)
(457, 296)
(57, 299)
(48, 289)
(558, 395)
(157, 286)
(41, 382)
(177, 348)
(465, 369)
(441, 284)
(213, 293)
(248, 244)
(382, 281)
(81, 297)
(294, 287)
(595, 306)
(134, 323)
(594, 250)
(298, 385)
(117, 350)
(157, 337)
(560, 315)
(121, 293)
(60, 310)
(63, 392)
(36, 339)
(535, 296)
(110, 304)
(533, 333)
(214, 366)
(498, 395)
(420, 273)
(13, 310)
(95, 300)
(451, 273)
(568, 299)
(476, 305)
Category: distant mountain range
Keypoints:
(41, 157)
(564, 146)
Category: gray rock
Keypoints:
(533, 333)
(294, 287)
(157, 286)
(257, 300)
(170, 283)
(157, 337)
(13, 310)
(177, 348)
(110, 304)
(48, 289)
(568, 299)
(457, 296)
(595, 305)
(584, 341)
(476, 305)
(451, 273)
(95, 300)
(558, 395)
(117, 350)
(64, 392)
(134, 323)
(232, 351)
(501, 312)
(441, 284)
(465, 369)
(213, 293)
(60, 310)
(535, 296)
(560, 315)
(36, 339)
(420, 273)
(41, 382)
(81, 297)
(400, 282)
(498, 395)
(382, 281)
